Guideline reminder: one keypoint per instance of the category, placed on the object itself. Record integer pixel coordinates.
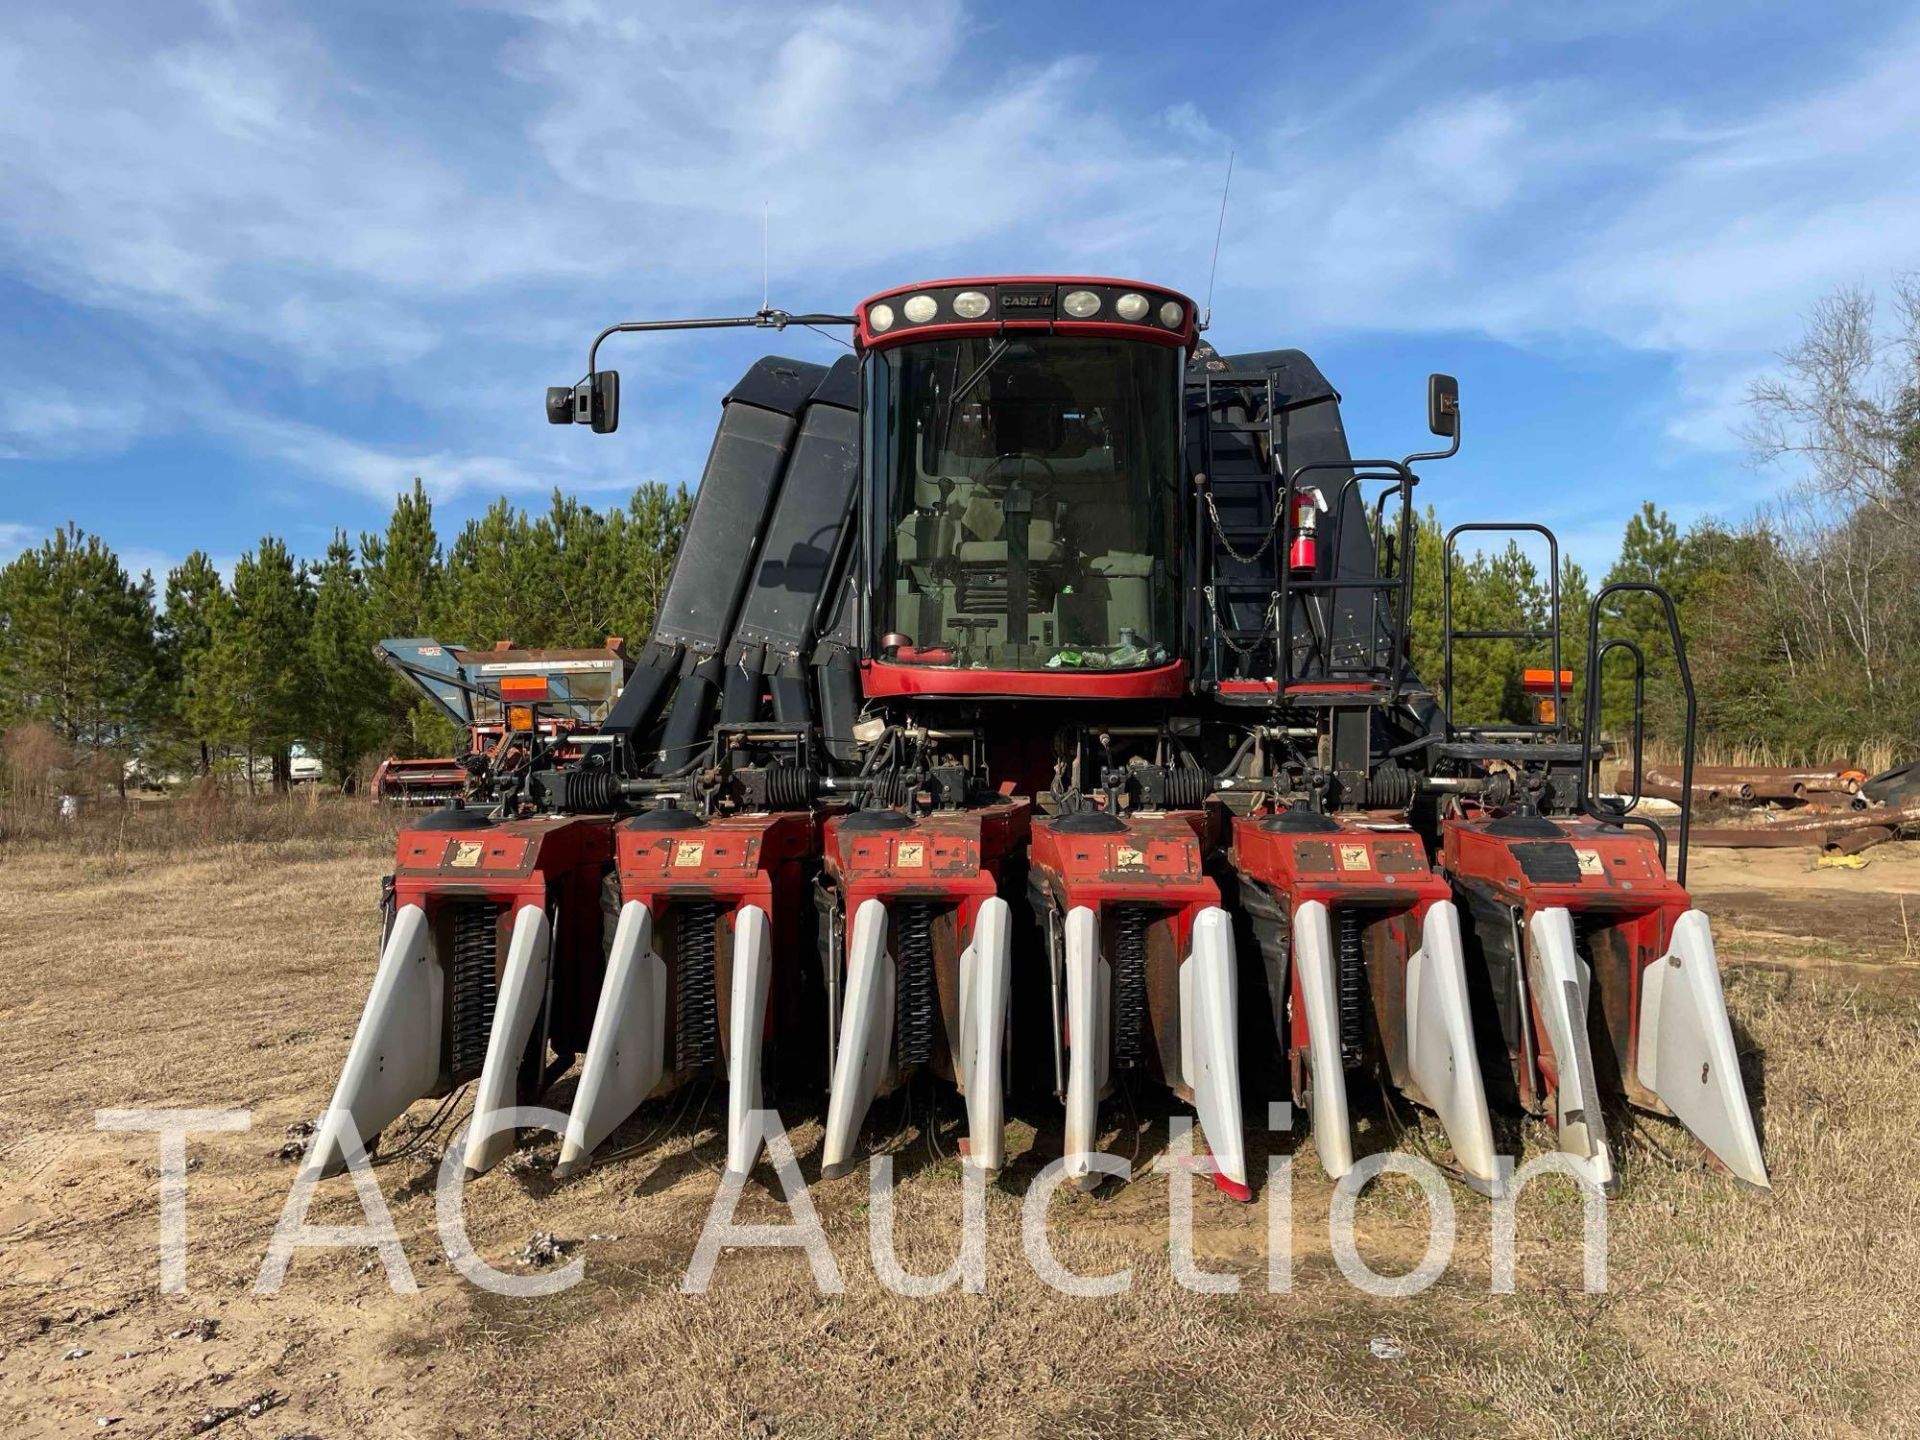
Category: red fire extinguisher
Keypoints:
(1303, 555)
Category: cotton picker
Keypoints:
(1030, 706)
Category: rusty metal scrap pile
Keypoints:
(1832, 807)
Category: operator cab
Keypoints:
(1022, 468)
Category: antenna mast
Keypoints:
(1206, 314)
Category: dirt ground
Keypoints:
(232, 977)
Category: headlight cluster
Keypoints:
(1017, 301)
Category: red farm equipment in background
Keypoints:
(552, 692)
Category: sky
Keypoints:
(263, 264)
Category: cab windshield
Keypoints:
(1028, 501)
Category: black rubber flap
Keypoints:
(665, 818)
(876, 820)
(1089, 822)
(1548, 862)
(1300, 822)
(451, 817)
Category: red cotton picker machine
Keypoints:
(1030, 706)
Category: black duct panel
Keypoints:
(839, 701)
(639, 702)
(845, 607)
(742, 476)
(801, 537)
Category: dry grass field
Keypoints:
(230, 975)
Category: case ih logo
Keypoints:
(1017, 300)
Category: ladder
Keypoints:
(1239, 574)
(1244, 585)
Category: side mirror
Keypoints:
(1443, 405)
(603, 402)
(594, 401)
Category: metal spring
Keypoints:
(1129, 986)
(916, 993)
(476, 983)
(696, 1025)
(1352, 985)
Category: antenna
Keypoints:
(1206, 315)
(766, 254)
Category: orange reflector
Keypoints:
(1544, 712)
(1543, 680)
(520, 717)
(523, 687)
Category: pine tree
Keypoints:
(347, 685)
(657, 521)
(587, 574)
(405, 599)
(77, 647)
(1576, 597)
(1501, 591)
(250, 689)
(1652, 550)
(495, 582)
(195, 598)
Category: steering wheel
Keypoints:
(1041, 491)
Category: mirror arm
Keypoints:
(1446, 454)
(760, 320)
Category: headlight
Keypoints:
(920, 309)
(880, 317)
(1131, 307)
(1081, 304)
(1173, 314)
(971, 304)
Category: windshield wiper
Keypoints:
(994, 351)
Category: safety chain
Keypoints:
(1273, 526)
(1221, 626)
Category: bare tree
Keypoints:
(1847, 403)
(1843, 577)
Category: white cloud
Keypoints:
(15, 537)
(41, 421)
(279, 213)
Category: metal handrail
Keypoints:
(1401, 481)
(1590, 804)
(1596, 679)
(1448, 634)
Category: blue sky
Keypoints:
(260, 265)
